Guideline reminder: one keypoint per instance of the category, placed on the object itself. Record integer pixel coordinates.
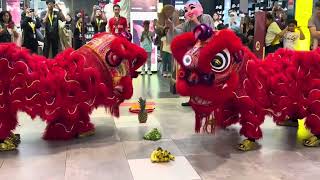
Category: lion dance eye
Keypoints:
(221, 61)
(112, 59)
(187, 60)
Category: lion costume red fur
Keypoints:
(227, 84)
(63, 91)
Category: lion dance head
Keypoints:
(211, 65)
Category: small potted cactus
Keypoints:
(143, 114)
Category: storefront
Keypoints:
(136, 11)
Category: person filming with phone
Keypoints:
(30, 24)
(51, 24)
(98, 20)
(8, 31)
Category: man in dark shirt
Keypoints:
(30, 24)
(98, 20)
(51, 23)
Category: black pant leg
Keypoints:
(46, 48)
(55, 46)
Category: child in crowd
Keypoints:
(166, 54)
(292, 34)
(146, 44)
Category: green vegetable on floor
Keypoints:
(153, 135)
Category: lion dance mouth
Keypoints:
(204, 114)
(196, 100)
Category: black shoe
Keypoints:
(185, 104)
(289, 123)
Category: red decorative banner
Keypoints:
(259, 34)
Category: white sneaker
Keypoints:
(142, 73)
(149, 72)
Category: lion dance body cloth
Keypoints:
(228, 84)
(65, 90)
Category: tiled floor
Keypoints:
(118, 151)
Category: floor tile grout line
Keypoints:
(65, 163)
(122, 145)
(185, 156)
(125, 154)
(142, 140)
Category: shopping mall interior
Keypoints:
(135, 145)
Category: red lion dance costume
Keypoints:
(65, 90)
(228, 84)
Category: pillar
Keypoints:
(4, 4)
(303, 12)
(244, 4)
(227, 6)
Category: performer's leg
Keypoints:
(65, 129)
(251, 119)
(313, 123)
(85, 127)
(250, 123)
(8, 141)
(61, 129)
(251, 129)
(313, 119)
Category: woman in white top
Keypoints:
(8, 30)
(146, 43)
(166, 54)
